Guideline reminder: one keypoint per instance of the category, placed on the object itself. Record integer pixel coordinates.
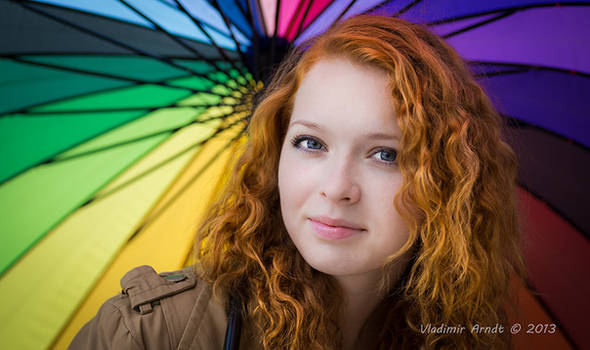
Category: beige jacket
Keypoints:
(160, 311)
(174, 310)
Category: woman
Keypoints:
(374, 203)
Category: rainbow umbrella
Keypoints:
(120, 119)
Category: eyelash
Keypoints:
(296, 142)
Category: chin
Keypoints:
(334, 266)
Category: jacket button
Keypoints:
(175, 277)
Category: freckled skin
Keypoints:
(339, 172)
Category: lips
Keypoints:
(334, 229)
(336, 222)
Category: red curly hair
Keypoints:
(457, 197)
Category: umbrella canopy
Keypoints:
(120, 119)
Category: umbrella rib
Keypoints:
(376, 7)
(219, 49)
(205, 24)
(161, 163)
(254, 5)
(227, 24)
(406, 8)
(174, 38)
(25, 110)
(255, 39)
(134, 140)
(300, 25)
(152, 217)
(345, 10)
(514, 8)
(61, 7)
(261, 14)
(518, 123)
(479, 24)
(98, 74)
(531, 66)
(242, 10)
(244, 13)
(112, 76)
(294, 17)
(313, 20)
(273, 42)
(111, 40)
(53, 160)
(504, 72)
(559, 212)
(538, 296)
(33, 114)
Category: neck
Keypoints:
(360, 298)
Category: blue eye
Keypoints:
(387, 155)
(309, 143)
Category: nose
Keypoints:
(340, 185)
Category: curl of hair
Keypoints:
(457, 197)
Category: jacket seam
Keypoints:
(194, 324)
(160, 291)
(168, 322)
(124, 321)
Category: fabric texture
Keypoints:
(175, 310)
(172, 310)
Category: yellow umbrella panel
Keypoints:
(91, 245)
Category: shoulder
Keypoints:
(153, 311)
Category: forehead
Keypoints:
(337, 92)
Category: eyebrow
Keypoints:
(375, 135)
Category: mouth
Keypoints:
(336, 222)
(326, 229)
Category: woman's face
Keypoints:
(337, 171)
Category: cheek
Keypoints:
(292, 179)
(383, 210)
(382, 188)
